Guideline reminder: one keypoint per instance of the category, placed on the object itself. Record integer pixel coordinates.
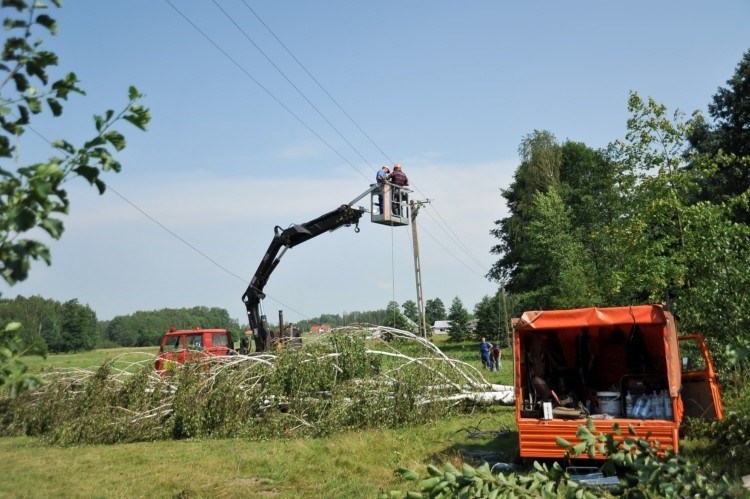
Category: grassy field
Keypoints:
(89, 360)
(357, 464)
(353, 464)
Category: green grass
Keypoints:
(350, 464)
(354, 464)
(90, 359)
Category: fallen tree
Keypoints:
(355, 377)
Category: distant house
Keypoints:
(323, 328)
(472, 327)
(441, 327)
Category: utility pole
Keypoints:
(415, 206)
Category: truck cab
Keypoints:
(184, 345)
(600, 362)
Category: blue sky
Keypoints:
(448, 89)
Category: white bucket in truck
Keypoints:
(609, 403)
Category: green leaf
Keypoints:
(12, 326)
(432, 470)
(578, 448)
(96, 141)
(41, 190)
(24, 220)
(19, 5)
(429, 483)
(116, 139)
(133, 93)
(64, 145)
(88, 172)
(138, 116)
(22, 84)
(451, 469)
(34, 103)
(53, 227)
(408, 474)
(562, 442)
(54, 106)
(47, 22)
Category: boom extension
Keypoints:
(283, 239)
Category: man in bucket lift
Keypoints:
(398, 178)
(380, 177)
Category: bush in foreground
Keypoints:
(642, 471)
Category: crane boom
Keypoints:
(283, 239)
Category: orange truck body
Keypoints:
(582, 353)
(183, 345)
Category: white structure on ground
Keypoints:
(441, 327)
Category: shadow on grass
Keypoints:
(490, 440)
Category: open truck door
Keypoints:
(618, 364)
(700, 395)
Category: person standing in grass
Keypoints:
(496, 358)
(484, 349)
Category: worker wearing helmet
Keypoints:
(399, 179)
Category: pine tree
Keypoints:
(459, 318)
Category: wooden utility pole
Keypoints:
(415, 205)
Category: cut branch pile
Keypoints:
(355, 377)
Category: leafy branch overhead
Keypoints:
(33, 196)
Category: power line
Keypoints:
(302, 94)
(317, 82)
(448, 230)
(443, 225)
(457, 240)
(168, 230)
(194, 248)
(422, 229)
(268, 92)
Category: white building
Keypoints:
(441, 327)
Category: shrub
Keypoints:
(643, 472)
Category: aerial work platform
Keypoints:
(389, 204)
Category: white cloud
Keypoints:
(119, 261)
(300, 150)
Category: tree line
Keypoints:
(51, 326)
(660, 216)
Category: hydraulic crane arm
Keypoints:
(283, 239)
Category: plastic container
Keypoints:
(658, 403)
(629, 405)
(609, 403)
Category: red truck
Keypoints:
(179, 346)
(624, 364)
